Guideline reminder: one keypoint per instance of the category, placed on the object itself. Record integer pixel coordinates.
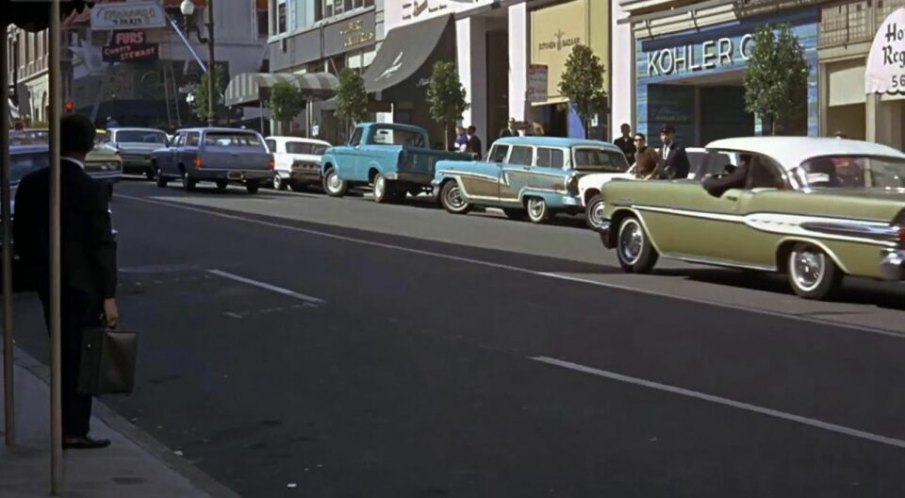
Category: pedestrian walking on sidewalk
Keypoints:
(626, 143)
(676, 163)
(88, 262)
(474, 145)
(461, 139)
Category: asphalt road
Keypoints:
(296, 345)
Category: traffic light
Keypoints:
(68, 106)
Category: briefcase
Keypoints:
(107, 362)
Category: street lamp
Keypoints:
(187, 7)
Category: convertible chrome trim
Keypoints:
(879, 231)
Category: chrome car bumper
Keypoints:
(892, 266)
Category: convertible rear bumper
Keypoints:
(892, 265)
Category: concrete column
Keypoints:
(823, 101)
(889, 123)
(870, 131)
(471, 47)
(519, 42)
(621, 71)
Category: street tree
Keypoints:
(286, 102)
(776, 81)
(351, 97)
(582, 83)
(199, 104)
(446, 97)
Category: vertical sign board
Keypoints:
(538, 77)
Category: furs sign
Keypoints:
(709, 54)
(129, 46)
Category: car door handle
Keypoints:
(731, 197)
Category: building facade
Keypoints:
(847, 30)
(689, 62)
(28, 73)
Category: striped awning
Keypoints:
(246, 88)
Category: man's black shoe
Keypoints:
(84, 443)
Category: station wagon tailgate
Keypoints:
(235, 151)
(420, 163)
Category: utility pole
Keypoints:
(211, 66)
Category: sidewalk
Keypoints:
(134, 465)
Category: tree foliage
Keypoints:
(582, 83)
(776, 82)
(351, 96)
(446, 97)
(286, 102)
(199, 105)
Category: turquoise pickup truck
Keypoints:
(395, 159)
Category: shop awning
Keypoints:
(246, 88)
(404, 51)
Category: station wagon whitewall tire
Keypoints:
(538, 211)
(594, 215)
(634, 250)
(812, 272)
(333, 186)
(452, 199)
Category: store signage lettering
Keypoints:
(124, 15)
(706, 55)
(885, 72)
(354, 34)
(129, 46)
(560, 42)
(892, 55)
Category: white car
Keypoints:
(297, 161)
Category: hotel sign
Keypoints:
(885, 71)
(700, 56)
(350, 34)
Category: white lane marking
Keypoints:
(812, 422)
(608, 285)
(237, 316)
(266, 286)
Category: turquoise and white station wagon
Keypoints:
(535, 177)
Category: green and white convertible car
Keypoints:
(816, 209)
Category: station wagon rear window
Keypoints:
(589, 159)
(305, 148)
(226, 139)
(550, 158)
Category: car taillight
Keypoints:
(197, 163)
(272, 164)
(902, 236)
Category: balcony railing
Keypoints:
(853, 22)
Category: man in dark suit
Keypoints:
(626, 143)
(474, 145)
(88, 252)
(675, 159)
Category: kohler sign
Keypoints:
(700, 56)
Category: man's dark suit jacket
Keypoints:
(677, 165)
(87, 245)
(474, 146)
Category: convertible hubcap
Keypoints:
(596, 217)
(454, 198)
(808, 268)
(536, 208)
(631, 240)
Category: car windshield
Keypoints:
(610, 161)
(854, 171)
(226, 139)
(139, 136)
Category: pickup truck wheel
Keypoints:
(452, 200)
(278, 182)
(188, 184)
(594, 212)
(634, 250)
(384, 190)
(812, 273)
(161, 180)
(252, 187)
(222, 185)
(538, 211)
(333, 186)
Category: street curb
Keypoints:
(128, 430)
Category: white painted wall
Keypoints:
(622, 76)
(518, 60)
(471, 50)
